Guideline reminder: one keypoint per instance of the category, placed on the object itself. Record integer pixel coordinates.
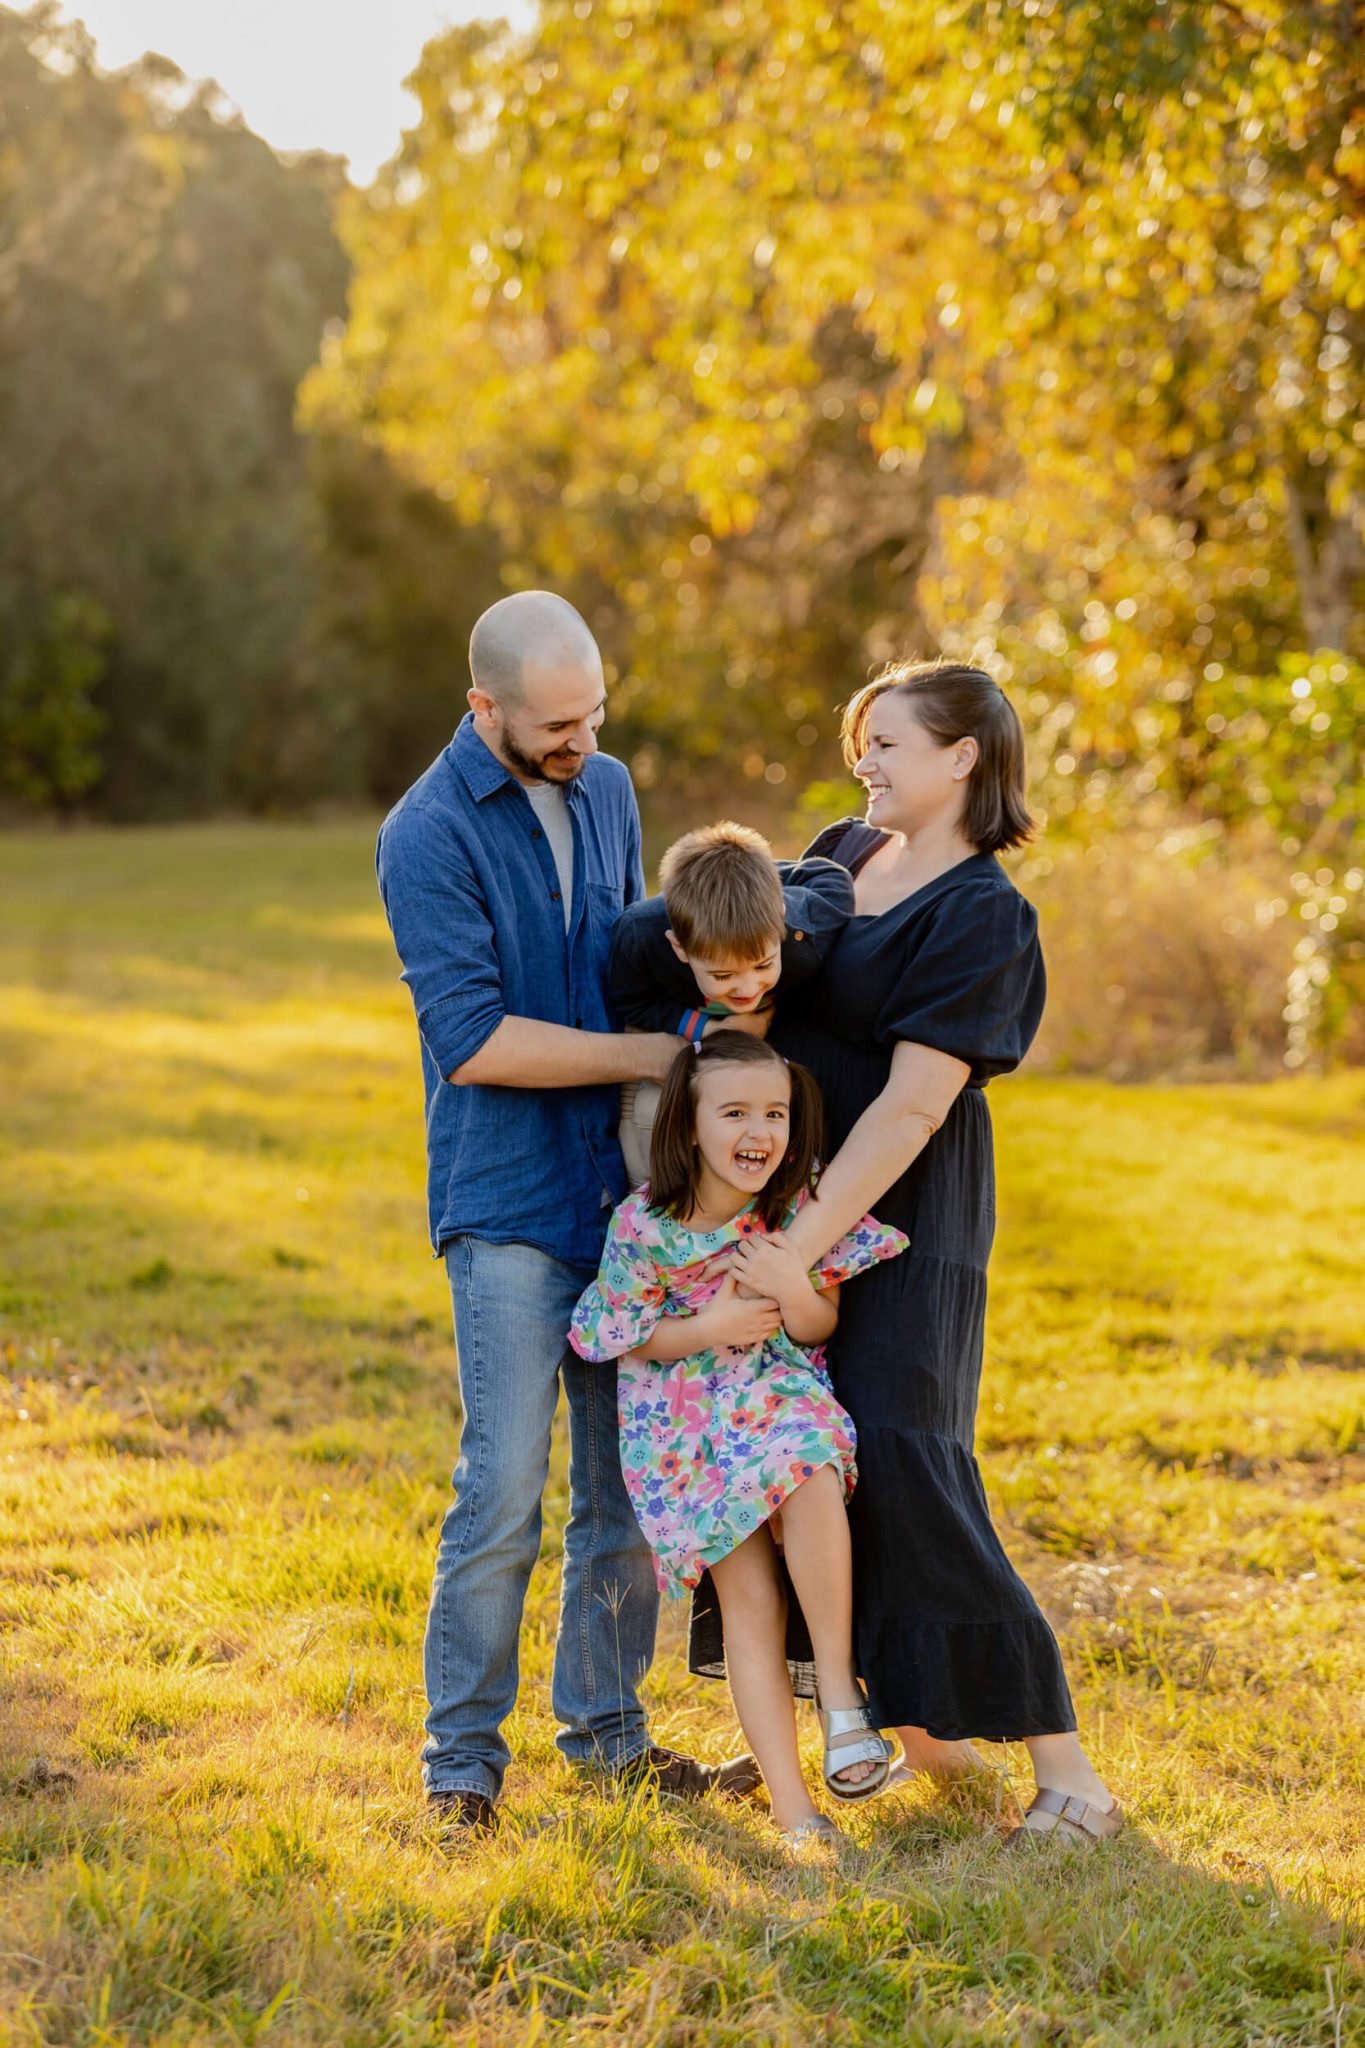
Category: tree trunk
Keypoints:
(1328, 557)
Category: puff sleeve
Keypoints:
(626, 1299)
(867, 1244)
(972, 984)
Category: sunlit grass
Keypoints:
(228, 1418)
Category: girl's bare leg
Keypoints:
(820, 1560)
(753, 1605)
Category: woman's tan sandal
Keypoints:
(1070, 1816)
(851, 1737)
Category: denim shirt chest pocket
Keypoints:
(604, 903)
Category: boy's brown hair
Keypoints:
(953, 701)
(674, 1161)
(722, 893)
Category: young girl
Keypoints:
(728, 1421)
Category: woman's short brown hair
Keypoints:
(674, 1161)
(954, 702)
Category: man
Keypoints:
(503, 871)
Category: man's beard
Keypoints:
(553, 767)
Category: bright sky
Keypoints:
(307, 74)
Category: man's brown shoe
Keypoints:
(738, 1777)
(682, 1777)
(464, 1813)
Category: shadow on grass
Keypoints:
(328, 1916)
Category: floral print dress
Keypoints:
(713, 1444)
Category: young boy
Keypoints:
(731, 921)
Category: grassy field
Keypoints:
(227, 1420)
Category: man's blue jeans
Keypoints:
(512, 1307)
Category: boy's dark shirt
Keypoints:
(653, 990)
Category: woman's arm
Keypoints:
(889, 1135)
(812, 1317)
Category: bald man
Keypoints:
(503, 871)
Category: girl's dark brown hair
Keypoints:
(674, 1161)
(953, 702)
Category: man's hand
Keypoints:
(754, 1023)
(656, 1051)
(771, 1265)
(733, 1320)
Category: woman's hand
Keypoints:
(770, 1264)
(773, 1264)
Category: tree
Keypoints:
(405, 582)
(50, 726)
(164, 280)
(789, 338)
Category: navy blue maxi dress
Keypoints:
(947, 1635)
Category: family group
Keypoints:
(719, 1162)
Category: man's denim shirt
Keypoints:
(473, 901)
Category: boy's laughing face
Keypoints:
(740, 984)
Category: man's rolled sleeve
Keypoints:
(444, 934)
(454, 1028)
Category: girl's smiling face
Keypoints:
(910, 780)
(742, 1122)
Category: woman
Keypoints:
(935, 985)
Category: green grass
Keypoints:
(227, 1419)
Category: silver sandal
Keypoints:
(850, 1737)
(816, 1833)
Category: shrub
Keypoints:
(1163, 956)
